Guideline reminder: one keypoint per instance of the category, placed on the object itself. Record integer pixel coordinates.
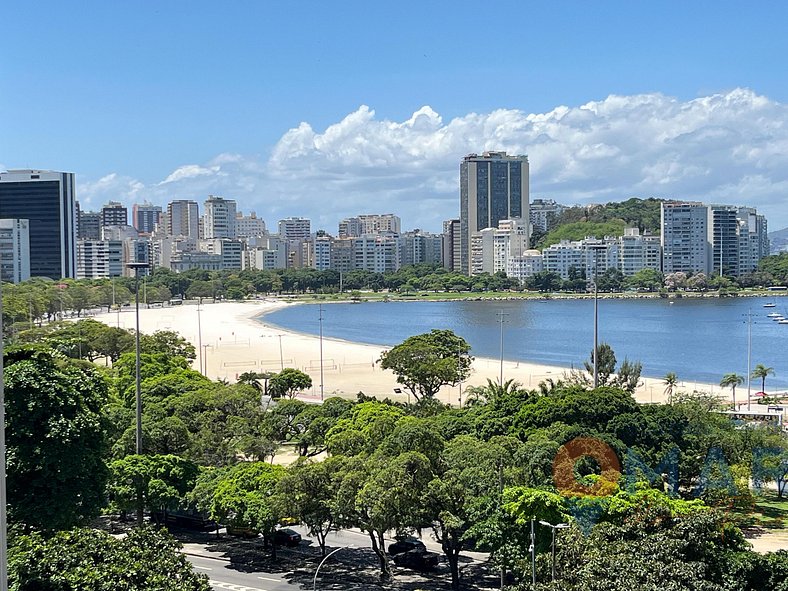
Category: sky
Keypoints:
(332, 109)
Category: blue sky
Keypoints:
(165, 100)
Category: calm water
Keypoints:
(699, 340)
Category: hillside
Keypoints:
(577, 222)
(779, 240)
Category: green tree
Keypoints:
(89, 560)
(158, 483)
(426, 362)
(762, 372)
(646, 280)
(289, 382)
(731, 380)
(169, 343)
(56, 439)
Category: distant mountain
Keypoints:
(779, 240)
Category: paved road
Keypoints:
(227, 579)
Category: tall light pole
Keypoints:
(320, 318)
(749, 355)
(596, 335)
(501, 314)
(205, 356)
(281, 354)
(199, 334)
(3, 523)
(138, 393)
(329, 555)
(533, 553)
(554, 527)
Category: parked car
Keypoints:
(416, 560)
(406, 545)
(287, 537)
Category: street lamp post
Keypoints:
(596, 335)
(138, 394)
(501, 314)
(749, 355)
(199, 335)
(320, 308)
(329, 555)
(205, 357)
(554, 527)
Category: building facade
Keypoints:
(145, 217)
(14, 250)
(183, 218)
(47, 200)
(493, 187)
(685, 238)
(219, 220)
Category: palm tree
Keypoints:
(671, 381)
(761, 371)
(732, 380)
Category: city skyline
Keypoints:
(271, 106)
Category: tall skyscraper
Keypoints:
(685, 240)
(219, 217)
(46, 199)
(493, 187)
(145, 216)
(183, 218)
(89, 225)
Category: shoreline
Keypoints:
(235, 338)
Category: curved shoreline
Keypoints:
(234, 340)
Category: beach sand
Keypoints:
(233, 342)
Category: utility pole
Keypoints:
(501, 314)
(596, 335)
(749, 355)
(199, 334)
(320, 319)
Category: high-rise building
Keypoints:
(145, 216)
(369, 224)
(89, 225)
(47, 200)
(183, 218)
(219, 221)
(14, 250)
(247, 226)
(543, 213)
(738, 239)
(451, 245)
(421, 247)
(493, 187)
(295, 229)
(685, 241)
(99, 258)
(114, 214)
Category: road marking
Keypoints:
(270, 579)
(232, 587)
(202, 567)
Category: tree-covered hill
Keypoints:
(601, 220)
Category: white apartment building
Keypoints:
(229, 250)
(491, 248)
(523, 266)
(247, 226)
(685, 238)
(295, 229)
(543, 213)
(265, 252)
(370, 224)
(738, 239)
(638, 251)
(321, 253)
(219, 219)
(376, 252)
(99, 258)
(14, 250)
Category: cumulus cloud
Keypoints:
(724, 148)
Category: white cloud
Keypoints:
(730, 147)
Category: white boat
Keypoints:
(773, 315)
(769, 305)
(783, 321)
(778, 318)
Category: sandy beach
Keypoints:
(234, 342)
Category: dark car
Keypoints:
(287, 537)
(406, 545)
(416, 560)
